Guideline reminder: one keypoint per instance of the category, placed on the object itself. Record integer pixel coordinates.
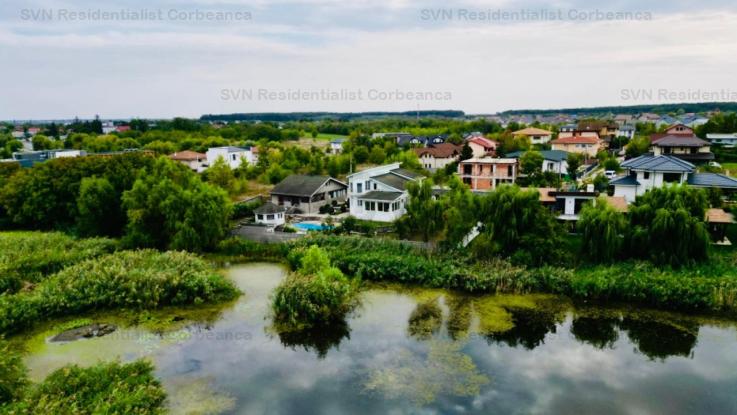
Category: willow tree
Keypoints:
(667, 226)
(602, 228)
(424, 215)
(459, 212)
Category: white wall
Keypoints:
(276, 219)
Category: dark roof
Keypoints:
(301, 185)
(552, 155)
(392, 180)
(658, 163)
(379, 195)
(625, 181)
(712, 180)
(406, 173)
(269, 208)
(680, 141)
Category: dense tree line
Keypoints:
(152, 202)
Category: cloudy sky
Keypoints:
(144, 58)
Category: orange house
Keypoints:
(487, 173)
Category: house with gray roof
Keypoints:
(306, 194)
(380, 193)
(654, 171)
(553, 160)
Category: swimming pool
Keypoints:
(310, 226)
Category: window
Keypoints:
(232, 157)
(368, 185)
(269, 217)
(360, 202)
(260, 217)
(672, 177)
(359, 187)
(510, 170)
(646, 175)
(374, 186)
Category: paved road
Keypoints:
(259, 234)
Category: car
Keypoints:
(715, 164)
(610, 174)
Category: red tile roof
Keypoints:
(576, 140)
(483, 142)
(444, 150)
(187, 155)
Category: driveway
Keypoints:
(259, 234)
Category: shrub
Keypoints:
(107, 388)
(131, 279)
(316, 295)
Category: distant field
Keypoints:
(327, 137)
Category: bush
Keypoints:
(107, 388)
(316, 295)
(132, 279)
(13, 379)
(244, 210)
(32, 256)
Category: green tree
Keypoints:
(424, 214)
(637, 146)
(574, 161)
(377, 155)
(531, 163)
(169, 207)
(466, 152)
(602, 228)
(98, 207)
(667, 226)
(221, 175)
(459, 207)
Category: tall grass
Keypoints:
(32, 256)
(144, 279)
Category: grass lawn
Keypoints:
(730, 168)
(325, 137)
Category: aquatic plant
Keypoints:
(444, 370)
(107, 388)
(138, 280)
(13, 378)
(317, 293)
(32, 256)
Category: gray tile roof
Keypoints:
(300, 185)
(383, 196)
(406, 173)
(712, 180)
(269, 208)
(392, 180)
(680, 141)
(658, 163)
(625, 181)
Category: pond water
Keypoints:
(422, 351)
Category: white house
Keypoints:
(380, 193)
(234, 156)
(270, 214)
(625, 130)
(336, 146)
(648, 172)
(724, 140)
(438, 156)
(554, 161)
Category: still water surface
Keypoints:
(425, 352)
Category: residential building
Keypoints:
(380, 193)
(192, 159)
(649, 171)
(336, 146)
(234, 156)
(568, 203)
(30, 158)
(487, 173)
(308, 193)
(586, 145)
(438, 156)
(536, 135)
(553, 160)
(270, 214)
(482, 147)
(33, 131)
(724, 140)
(679, 140)
(626, 130)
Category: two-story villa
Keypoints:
(487, 173)
(380, 193)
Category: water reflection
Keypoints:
(599, 332)
(318, 339)
(529, 331)
(659, 341)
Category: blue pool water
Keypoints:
(310, 226)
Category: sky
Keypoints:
(160, 59)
